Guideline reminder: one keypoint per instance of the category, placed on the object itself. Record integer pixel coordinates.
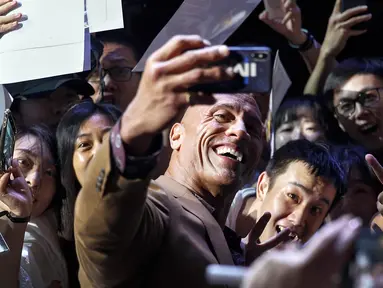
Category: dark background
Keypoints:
(144, 19)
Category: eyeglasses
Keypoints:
(118, 74)
(367, 98)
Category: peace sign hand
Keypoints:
(378, 170)
(254, 248)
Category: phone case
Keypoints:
(8, 118)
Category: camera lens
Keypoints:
(261, 56)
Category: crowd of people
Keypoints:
(125, 179)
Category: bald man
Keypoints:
(133, 232)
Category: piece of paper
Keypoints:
(281, 84)
(50, 43)
(104, 15)
(214, 20)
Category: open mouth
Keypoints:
(368, 128)
(230, 153)
(293, 235)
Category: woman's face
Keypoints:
(38, 167)
(89, 139)
(305, 126)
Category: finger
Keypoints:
(356, 32)
(178, 45)
(182, 82)
(4, 28)
(8, 6)
(281, 237)
(16, 171)
(352, 12)
(4, 179)
(290, 5)
(194, 59)
(288, 17)
(375, 166)
(258, 228)
(337, 7)
(10, 18)
(355, 20)
(264, 16)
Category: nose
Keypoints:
(297, 134)
(360, 111)
(299, 218)
(109, 84)
(238, 130)
(33, 179)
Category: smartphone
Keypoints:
(365, 270)
(252, 67)
(7, 141)
(348, 4)
(274, 9)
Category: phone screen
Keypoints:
(7, 140)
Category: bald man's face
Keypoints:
(220, 144)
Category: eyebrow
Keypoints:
(34, 155)
(309, 191)
(235, 107)
(89, 134)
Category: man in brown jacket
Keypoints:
(133, 232)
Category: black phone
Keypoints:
(7, 141)
(348, 4)
(252, 67)
(366, 266)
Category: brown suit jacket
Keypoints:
(142, 233)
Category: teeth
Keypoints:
(223, 150)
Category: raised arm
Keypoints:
(16, 198)
(118, 226)
(339, 30)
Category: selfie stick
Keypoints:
(225, 275)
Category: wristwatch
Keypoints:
(15, 219)
(307, 45)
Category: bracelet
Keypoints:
(15, 219)
(307, 45)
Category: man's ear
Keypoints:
(176, 136)
(262, 186)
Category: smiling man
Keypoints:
(353, 91)
(133, 232)
(300, 185)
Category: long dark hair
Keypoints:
(46, 135)
(66, 135)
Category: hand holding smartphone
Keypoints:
(252, 69)
(7, 141)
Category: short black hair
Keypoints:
(287, 112)
(119, 36)
(66, 135)
(347, 69)
(317, 156)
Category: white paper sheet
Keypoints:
(104, 15)
(214, 20)
(281, 84)
(50, 43)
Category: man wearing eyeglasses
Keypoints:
(354, 91)
(118, 82)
